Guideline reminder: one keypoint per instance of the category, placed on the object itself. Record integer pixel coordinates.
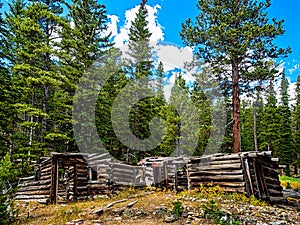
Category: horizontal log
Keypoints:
(80, 178)
(34, 192)
(233, 161)
(218, 178)
(122, 166)
(46, 177)
(46, 169)
(23, 179)
(97, 186)
(35, 183)
(234, 166)
(122, 172)
(97, 157)
(32, 197)
(209, 172)
(226, 157)
(278, 200)
(123, 183)
(38, 187)
(273, 192)
(82, 170)
(121, 180)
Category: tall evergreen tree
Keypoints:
(139, 69)
(35, 75)
(84, 41)
(270, 134)
(235, 34)
(247, 128)
(296, 125)
(286, 151)
(6, 112)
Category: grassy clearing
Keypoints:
(293, 182)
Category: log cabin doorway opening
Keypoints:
(159, 174)
(255, 178)
(64, 177)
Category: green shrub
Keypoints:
(8, 177)
(177, 208)
(213, 211)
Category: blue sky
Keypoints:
(169, 14)
(172, 13)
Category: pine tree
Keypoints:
(84, 41)
(247, 126)
(286, 151)
(236, 35)
(139, 70)
(6, 112)
(35, 75)
(270, 133)
(296, 125)
(204, 112)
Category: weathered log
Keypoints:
(218, 178)
(233, 161)
(273, 192)
(33, 197)
(38, 187)
(33, 192)
(24, 179)
(226, 157)
(100, 211)
(118, 173)
(211, 172)
(235, 166)
(34, 183)
(97, 157)
(46, 169)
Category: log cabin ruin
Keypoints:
(68, 177)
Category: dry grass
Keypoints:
(143, 212)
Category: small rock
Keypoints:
(184, 215)
(171, 219)
(278, 223)
(118, 218)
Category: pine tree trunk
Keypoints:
(255, 130)
(236, 108)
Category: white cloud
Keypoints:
(295, 68)
(121, 35)
(112, 25)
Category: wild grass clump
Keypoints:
(289, 182)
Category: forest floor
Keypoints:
(206, 205)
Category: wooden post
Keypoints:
(75, 182)
(54, 181)
(257, 181)
(246, 163)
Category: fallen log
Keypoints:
(102, 210)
